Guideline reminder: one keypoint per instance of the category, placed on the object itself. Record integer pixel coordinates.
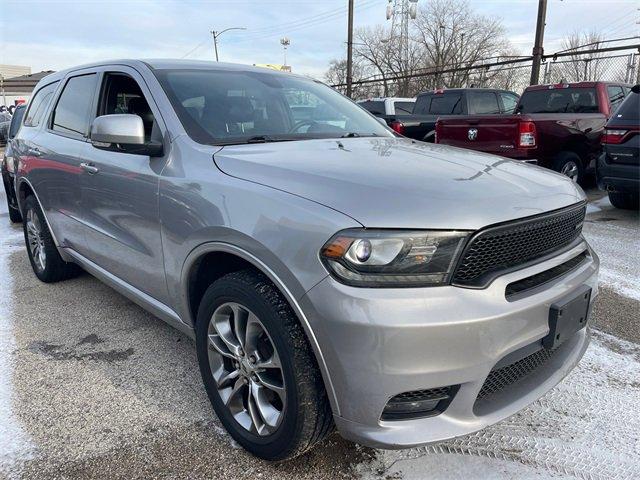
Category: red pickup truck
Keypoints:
(556, 126)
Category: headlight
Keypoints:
(393, 258)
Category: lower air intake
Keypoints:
(419, 403)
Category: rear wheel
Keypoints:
(258, 368)
(570, 164)
(45, 259)
(626, 201)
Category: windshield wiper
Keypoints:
(254, 139)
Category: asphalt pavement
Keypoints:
(92, 386)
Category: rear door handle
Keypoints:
(90, 169)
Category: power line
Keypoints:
(308, 22)
(195, 48)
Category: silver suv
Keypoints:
(331, 272)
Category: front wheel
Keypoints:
(258, 368)
(44, 257)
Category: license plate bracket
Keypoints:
(567, 316)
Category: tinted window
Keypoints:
(483, 103)
(39, 105)
(616, 95)
(559, 100)
(16, 120)
(227, 107)
(629, 109)
(73, 111)
(403, 108)
(439, 104)
(375, 107)
(509, 102)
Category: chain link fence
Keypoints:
(619, 64)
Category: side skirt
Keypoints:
(147, 302)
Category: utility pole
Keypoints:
(538, 51)
(350, 51)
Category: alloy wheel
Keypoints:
(570, 169)
(246, 368)
(35, 240)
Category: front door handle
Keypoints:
(90, 169)
(34, 152)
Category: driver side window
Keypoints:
(122, 94)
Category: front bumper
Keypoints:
(378, 343)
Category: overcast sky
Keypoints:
(51, 35)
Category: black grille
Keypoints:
(417, 395)
(508, 375)
(543, 277)
(511, 245)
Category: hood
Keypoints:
(397, 183)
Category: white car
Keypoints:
(388, 106)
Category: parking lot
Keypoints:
(92, 386)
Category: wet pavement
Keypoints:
(92, 386)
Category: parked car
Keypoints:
(557, 126)
(8, 165)
(330, 272)
(618, 168)
(5, 120)
(429, 106)
(394, 106)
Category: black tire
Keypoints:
(567, 162)
(307, 415)
(14, 213)
(625, 201)
(55, 268)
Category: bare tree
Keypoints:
(452, 35)
(446, 35)
(579, 67)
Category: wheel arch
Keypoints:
(24, 189)
(196, 269)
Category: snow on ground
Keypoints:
(14, 445)
(586, 427)
(618, 246)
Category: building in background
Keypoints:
(10, 71)
(17, 90)
(273, 66)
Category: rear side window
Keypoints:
(509, 102)
(439, 104)
(18, 114)
(403, 108)
(629, 109)
(483, 103)
(377, 108)
(72, 114)
(559, 100)
(616, 95)
(39, 105)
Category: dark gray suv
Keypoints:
(330, 271)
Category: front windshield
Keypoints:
(221, 107)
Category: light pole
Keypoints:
(217, 34)
(285, 42)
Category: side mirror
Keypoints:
(122, 133)
(382, 121)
